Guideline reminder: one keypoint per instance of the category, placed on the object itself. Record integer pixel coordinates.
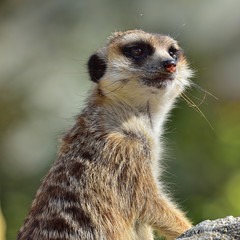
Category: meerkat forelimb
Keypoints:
(105, 183)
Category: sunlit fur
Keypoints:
(105, 182)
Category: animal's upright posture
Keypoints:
(104, 184)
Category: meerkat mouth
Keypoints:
(163, 77)
(160, 81)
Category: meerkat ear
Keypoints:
(96, 66)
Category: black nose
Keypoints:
(170, 65)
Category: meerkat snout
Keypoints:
(169, 66)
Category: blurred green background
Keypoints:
(44, 47)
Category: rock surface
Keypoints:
(220, 229)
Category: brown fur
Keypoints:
(103, 185)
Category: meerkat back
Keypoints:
(104, 184)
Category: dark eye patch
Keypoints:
(137, 51)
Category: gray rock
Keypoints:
(219, 229)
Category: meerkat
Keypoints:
(105, 183)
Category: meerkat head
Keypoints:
(136, 62)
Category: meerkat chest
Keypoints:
(141, 131)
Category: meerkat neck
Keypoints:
(149, 110)
(157, 113)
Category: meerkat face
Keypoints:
(141, 59)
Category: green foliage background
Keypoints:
(44, 46)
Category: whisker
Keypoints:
(204, 97)
(200, 100)
(203, 90)
(117, 88)
(112, 83)
(187, 99)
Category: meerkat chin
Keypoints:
(105, 183)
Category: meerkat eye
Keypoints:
(173, 52)
(137, 51)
